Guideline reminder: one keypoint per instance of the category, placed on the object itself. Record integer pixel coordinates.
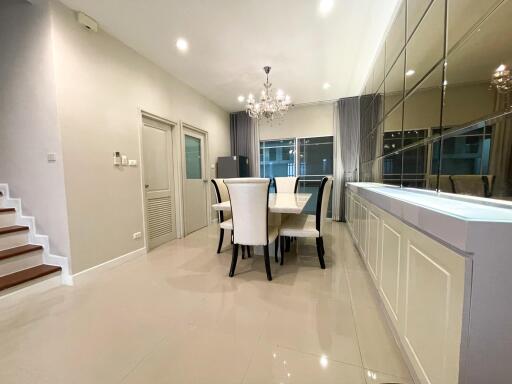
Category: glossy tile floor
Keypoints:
(174, 316)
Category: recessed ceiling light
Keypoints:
(241, 99)
(325, 6)
(326, 86)
(410, 72)
(501, 68)
(182, 44)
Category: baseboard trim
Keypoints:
(114, 262)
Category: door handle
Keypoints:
(146, 186)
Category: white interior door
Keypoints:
(159, 182)
(195, 181)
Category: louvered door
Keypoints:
(158, 178)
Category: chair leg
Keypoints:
(276, 248)
(248, 251)
(282, 250)
(322, 244)
(233, 260)
(221, 238)
(288, 244)
(319, 246)
(243, 251)
(267, 263)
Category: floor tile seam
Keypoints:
(257, 344)
(313, 354)
(143, 359)
(351, 295)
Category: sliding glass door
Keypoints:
(311, 158)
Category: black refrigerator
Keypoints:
(232, 166)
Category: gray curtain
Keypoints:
(346, 147)
(244, 134)
(500, 164)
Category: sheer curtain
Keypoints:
(346, 151)
(500, 164)
(245, 139)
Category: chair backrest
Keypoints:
(286, 184)
(322, 202)
(221, 194)
(445, 183)
(474, 185)
(249, 207)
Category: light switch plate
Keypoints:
(132, 163)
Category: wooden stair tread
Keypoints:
(13, 228)
(16, 251)
(27, 275)
(6, 210)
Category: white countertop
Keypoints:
(450, 218)
(277, 203)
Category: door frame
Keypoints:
(206, 168)
(175, 167)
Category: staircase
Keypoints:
(24, 255)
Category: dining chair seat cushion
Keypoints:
(299, 226)
(227, 224)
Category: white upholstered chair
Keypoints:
(225, 222)
(310, 225)
(249, 209)
(286, 184)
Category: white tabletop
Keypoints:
(277, 203)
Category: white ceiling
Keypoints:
(231, 40)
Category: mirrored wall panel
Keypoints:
(443, 118)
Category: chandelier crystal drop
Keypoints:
(268, 106)
(501, 79)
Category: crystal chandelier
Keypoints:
(268, 106)
(501, 79)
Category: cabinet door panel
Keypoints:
(390, 267)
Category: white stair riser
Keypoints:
(15, 239)
(21, 262)
(7, 219)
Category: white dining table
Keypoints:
(292, 203)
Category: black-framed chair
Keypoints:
(249, 208)
(310, 225)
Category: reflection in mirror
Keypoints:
(415, 166)
(378, 71)
(415, 10)
(394, 84)
(395, 39)
(470, 94)
(478, 160)
(422, 108)
(426, 47)
(463, 15)
(392, 169)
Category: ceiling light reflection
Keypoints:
(182, 44)
(324, 361)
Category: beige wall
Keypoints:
(28, 119)
(101, 87)
(300, 121)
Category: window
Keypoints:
(311, 158)
(277, 158)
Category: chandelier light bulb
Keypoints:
(241, 99)
(501, 68)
